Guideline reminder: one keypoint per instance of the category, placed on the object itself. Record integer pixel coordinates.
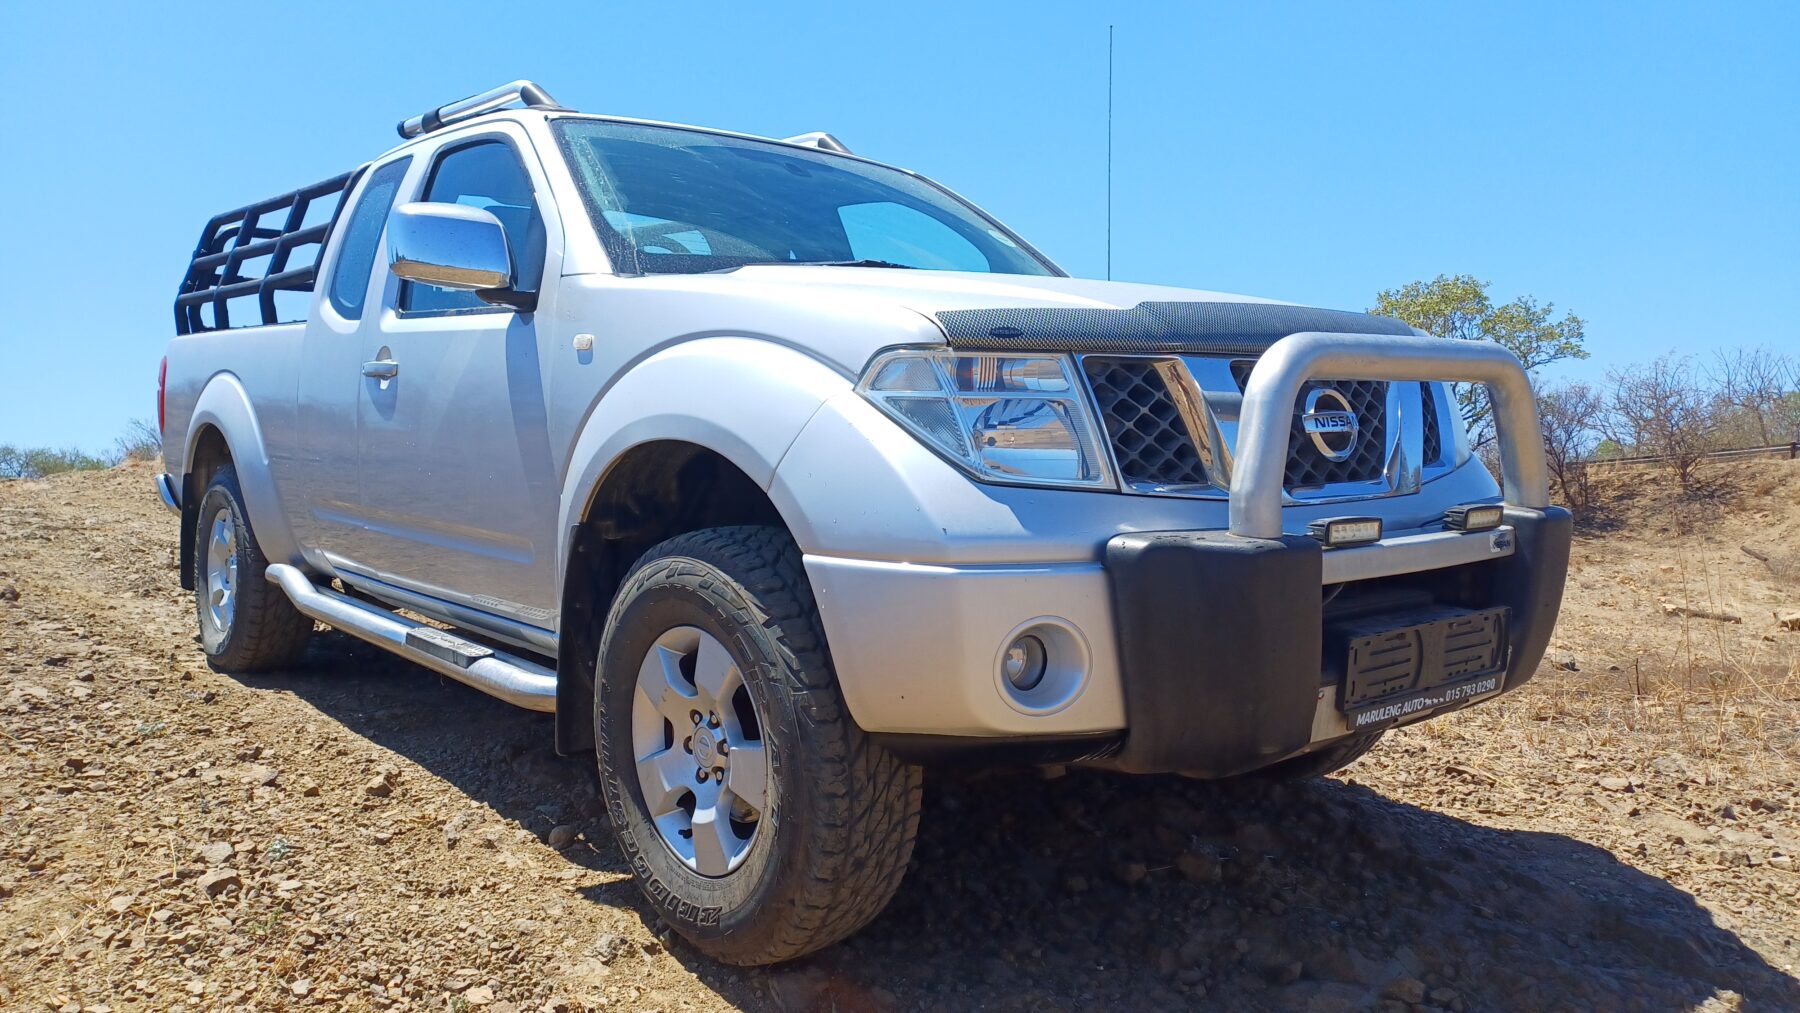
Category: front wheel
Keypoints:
(759, 820)
(1320, 762)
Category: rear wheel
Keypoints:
(246, 623)
(760, 821)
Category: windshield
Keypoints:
(671, 201)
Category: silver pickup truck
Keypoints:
(776, 473)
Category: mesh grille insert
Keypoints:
(1307, 467)
(1434, 440)
(1150, 442)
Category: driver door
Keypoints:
(457, 482)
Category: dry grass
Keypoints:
(1652, 677)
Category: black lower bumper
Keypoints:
(1222, 639)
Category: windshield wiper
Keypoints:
(847, 263)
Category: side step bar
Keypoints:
(510, 678)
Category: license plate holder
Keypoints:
(1396, 665)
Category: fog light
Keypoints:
(1337, 532)
(1025, 662)
(1474, 517)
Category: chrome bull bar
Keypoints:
(1275, 383)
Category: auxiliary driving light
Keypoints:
(1025, 662)
(1474, 517)
(1337, 532)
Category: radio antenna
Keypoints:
(1109, 133)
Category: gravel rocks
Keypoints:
(610, 947)
(218, 881)
(1197, 867)
(1407, 990)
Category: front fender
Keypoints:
(745, 399)
(224, 405)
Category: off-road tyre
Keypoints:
(836, 837)
(265, 630)
(1320, 762)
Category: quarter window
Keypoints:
(362, 232)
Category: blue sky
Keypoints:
(1639, 164)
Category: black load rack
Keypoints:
(220, 269)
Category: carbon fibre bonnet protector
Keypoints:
(1219, 328)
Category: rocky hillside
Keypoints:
(360, 834)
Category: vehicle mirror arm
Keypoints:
(524, 302)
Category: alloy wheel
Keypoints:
(221, 571)
(697, 742)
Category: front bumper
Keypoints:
(1200, 650)
(1222, 638)
(917, 647)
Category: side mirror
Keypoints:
(456, 247)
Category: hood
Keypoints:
(845, 315)
(934, 292)
(1015, 312)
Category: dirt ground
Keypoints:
(358, 833)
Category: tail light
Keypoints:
(162, 396)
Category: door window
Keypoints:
(486, 175)
(362, 231)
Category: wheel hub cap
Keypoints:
(221, 571)
(706, 749)
(697, 740)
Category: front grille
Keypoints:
(1434, 439)
(1150, 443)
(1307, 467)
(1153, 448)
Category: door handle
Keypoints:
(381, 369)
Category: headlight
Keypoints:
(1005, 418)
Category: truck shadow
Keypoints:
(1097, 890)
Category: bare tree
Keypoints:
(1662, 409)
(1788, 410)
(1752, 384)
(1570, 416)
(141, 442)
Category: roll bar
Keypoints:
(1281, 372)
(532, 95)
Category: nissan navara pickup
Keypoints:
(775, 473)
